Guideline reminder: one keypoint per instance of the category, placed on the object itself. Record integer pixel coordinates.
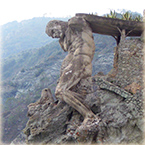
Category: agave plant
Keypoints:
(127, 16)
(111, 15)
(138, 18)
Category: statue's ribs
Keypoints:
(111, 26)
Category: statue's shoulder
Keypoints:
(77, 22)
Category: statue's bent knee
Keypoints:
(58, 93)
(77, 65)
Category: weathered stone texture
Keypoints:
(130, 62)
(119, 108)
(130, 69)
(116, 98)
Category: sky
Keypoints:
(11, 10)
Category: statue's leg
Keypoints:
(90, 119)
(74, 99)
(70, 77)
(76, 104)
(71, 98)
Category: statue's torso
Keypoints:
(80, 47)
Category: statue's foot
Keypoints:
(88, 128)
(90, 123)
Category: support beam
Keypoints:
(109, 26)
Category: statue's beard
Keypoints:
(57, 34)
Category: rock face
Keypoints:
(26, 86)
(116, 98)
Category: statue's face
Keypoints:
(54, 29)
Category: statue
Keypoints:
(76, 37)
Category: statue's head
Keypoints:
(56, 29)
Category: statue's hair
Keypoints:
(63, 24)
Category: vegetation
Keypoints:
(28, 34)
(124, 16)
(112, 15)
(28, 59)
(127, 16)
(138, 18)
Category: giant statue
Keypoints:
(106, 108)
(75, 37)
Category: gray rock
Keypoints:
(119, 108)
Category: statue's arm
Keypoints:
(61, 42)
(65, 42)
(77, 22)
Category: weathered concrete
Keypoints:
(111, 26)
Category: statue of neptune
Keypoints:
(76, 37)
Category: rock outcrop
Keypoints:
(117, 98)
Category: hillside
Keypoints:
(32, 57)
(24, 35)
(26, 73)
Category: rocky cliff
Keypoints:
(38, 69)
(116, 98)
